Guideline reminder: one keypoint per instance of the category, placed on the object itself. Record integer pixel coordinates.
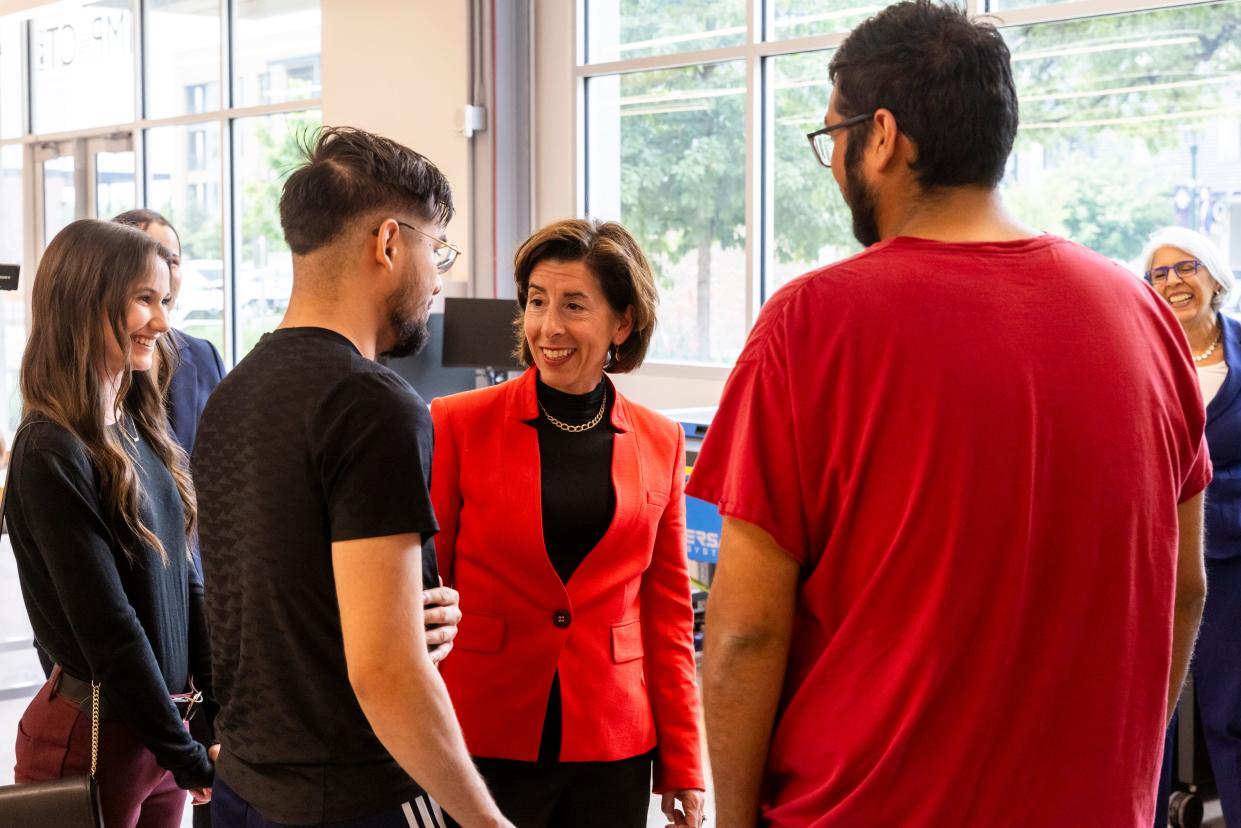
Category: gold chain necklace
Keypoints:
(577, 429)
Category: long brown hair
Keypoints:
(85, 284)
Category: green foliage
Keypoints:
(623, 29)
(1110, 103)
(276, 141)
(200, 230)
(1106, 103)
(1096, 199)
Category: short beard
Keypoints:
(411, 337)
(861, 201)
(409, 333)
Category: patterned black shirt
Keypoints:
(304, 443)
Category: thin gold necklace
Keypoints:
(577, 429)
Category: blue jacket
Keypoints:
(1223, 496)
(200, 371)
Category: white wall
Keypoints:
(401, 68)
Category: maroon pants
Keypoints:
(53, 741)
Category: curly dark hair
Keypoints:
(350, 173)
(946, 78)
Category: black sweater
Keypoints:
(576, 474)
(136, 627)
(578, 500)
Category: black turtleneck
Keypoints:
(578, 499)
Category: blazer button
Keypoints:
(561, 618)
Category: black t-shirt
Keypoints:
(135, 626)
(304, 443)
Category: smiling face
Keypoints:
(145, 321)
(570, 326)
(1190, 296)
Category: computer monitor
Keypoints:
(425, 370)
(478, 333)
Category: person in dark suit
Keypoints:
(201, 367)
(573, 669)
(198, 372)
(1191, 274)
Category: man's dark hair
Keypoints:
(947, 79)
(351, 173)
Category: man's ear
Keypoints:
(385, 243)
(886, 141)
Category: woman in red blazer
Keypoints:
(562, 525)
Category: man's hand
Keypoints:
(201, 796)
(442, 613)
(690, 813)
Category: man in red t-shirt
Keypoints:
(961, 567)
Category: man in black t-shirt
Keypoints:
(312, 463)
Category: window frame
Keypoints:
(756, 52)
(225, 116)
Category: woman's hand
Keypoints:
(441, 610)
(691, 811)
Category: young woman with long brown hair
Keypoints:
(100, 509)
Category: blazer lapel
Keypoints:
(606, 560)
(183, 397)
(1227, 394)
(521, 465)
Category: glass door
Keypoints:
(62, 199)
(113, 175)
(92, 177)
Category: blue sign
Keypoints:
(702, 530)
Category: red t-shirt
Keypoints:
(975, 451)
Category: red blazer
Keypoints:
(620, 633)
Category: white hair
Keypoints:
(1201, 248)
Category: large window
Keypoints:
(276, 51)
(199, 129)
(664, 153)
(184, 36)
(266, 149)
(183, 184)
(1130, 123)
(82, 67)
(188, 107)
(696, 114)
(12, 310)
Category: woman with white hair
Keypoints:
(1191, 274)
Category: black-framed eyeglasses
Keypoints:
(821, 142)
(1184, 269)
(445, 253)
